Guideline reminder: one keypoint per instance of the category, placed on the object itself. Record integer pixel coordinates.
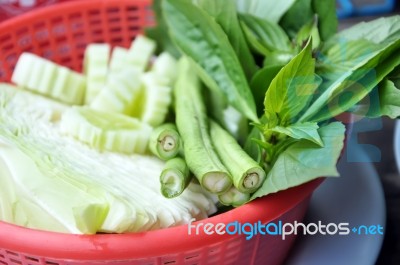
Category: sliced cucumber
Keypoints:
(119, 60)
(165, 67)
(47, 78)
(156, 100)
(105, 130)
(140, 52)
(119, 93)
(95, 66)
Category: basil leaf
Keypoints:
(298, 15)
(274, 10)
(309, 29)
(250, 146)
(265, 36)
(327, 18)
(344, 56)
(353, 85)
(260, 83)
(224, 12)
(388, 103)
(304, 161)
(374, 66)
(382, 30)
(291, 90)
(307, 131)
(203, 40)
(159, 33)
(389, 98)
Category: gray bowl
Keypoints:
(397, 143)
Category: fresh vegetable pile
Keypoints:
(223, 102)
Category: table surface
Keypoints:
(378, 134)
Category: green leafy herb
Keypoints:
(350, 88)
(291, 90)
(265, 37)
(307, 131)
(225, 14)
(201, 38)
(273, 10)
(159, 32)
(327, 18)
(304, 161)
(260, 83)
(387, 103)
(299, 14)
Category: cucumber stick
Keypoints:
(140, 52)
(155, 101)
(119, 93)
(119, 60)
(192, 123)
(165, 66)
(95, 67)
(106, 130)
(47, 78)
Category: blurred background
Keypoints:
(379, 133)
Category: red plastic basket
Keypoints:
(61, 33)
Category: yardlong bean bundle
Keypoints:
(192, 123)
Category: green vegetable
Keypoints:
(265, 37)
(140, 52)
(47, 78)
(233, 197)
(225, 14)
(193, 30)
(119, 93)
(159, 32)
(304, 161)
(247, 174)
(174, 178)
(308, 131)
(154, 102)
(59, 184)
(387, 102)
(118, 60)
(274, 10)
(192, 123)
(299, 14)
(260, 83)
(327, 18)
(354, 84)
(106, 131)
(380, 31)
(309, 29)
(291, 91)
(95, 67)
(165, 141)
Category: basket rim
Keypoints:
(138, 245)
(145, 244)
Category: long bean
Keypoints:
(165, 141)
(233, 197)
(192, 123)
(247, 174)
(174, 178)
